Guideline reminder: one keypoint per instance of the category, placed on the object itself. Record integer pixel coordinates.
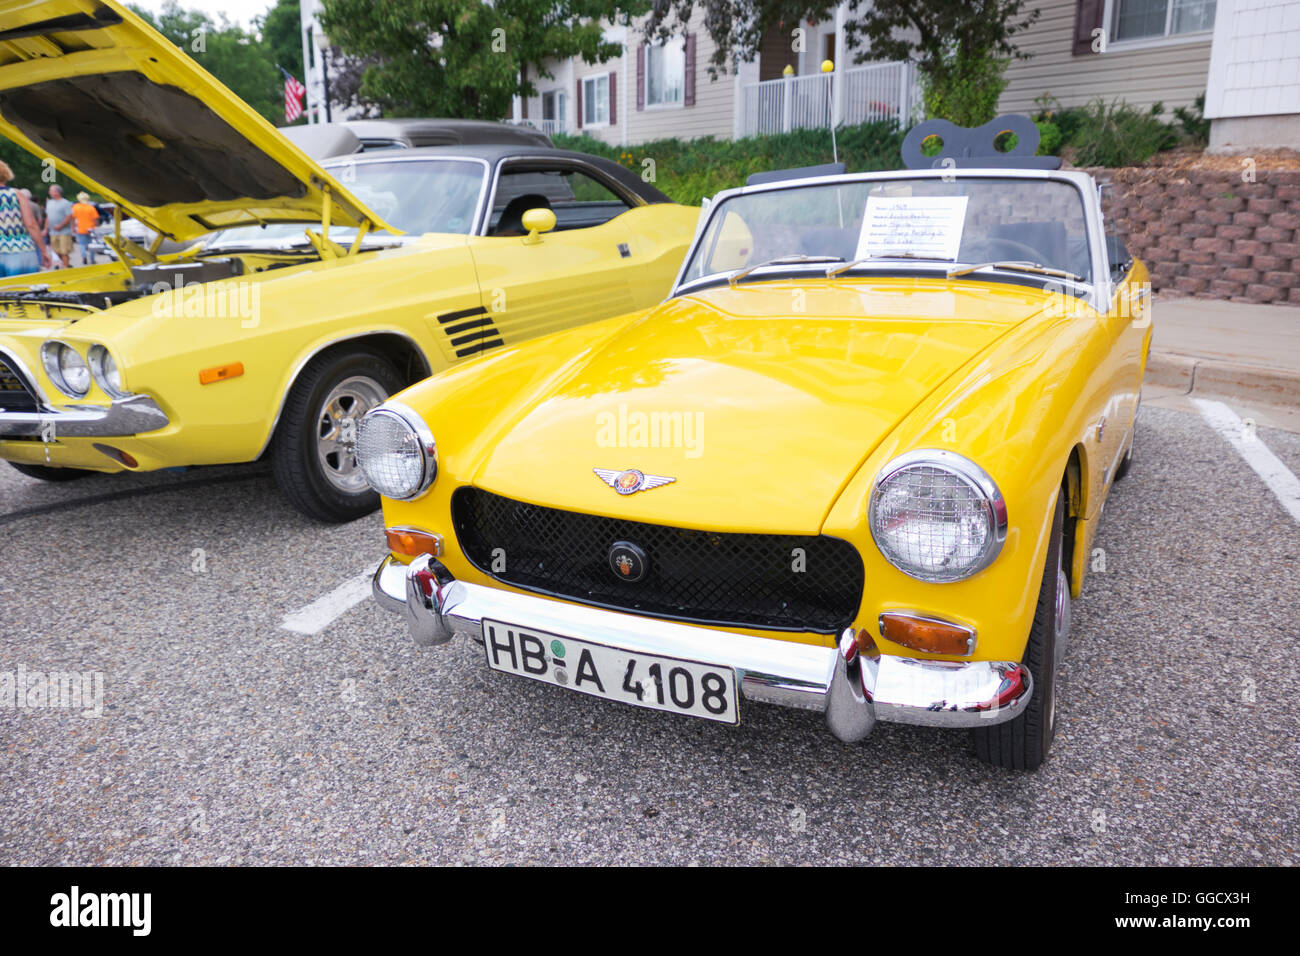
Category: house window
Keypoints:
(665, 72)
(1152, 19)
(553, 107)
(595, 100)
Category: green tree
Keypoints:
(281, 29)
(465, 57)
(961, 47)
(238, 58)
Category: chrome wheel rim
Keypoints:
(336, 431)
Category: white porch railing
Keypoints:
(548, 126)
(878, 91)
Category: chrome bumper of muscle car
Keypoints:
(853, 690)
(125, 416)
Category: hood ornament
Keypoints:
(629, 481)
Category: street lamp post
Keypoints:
(323, 45)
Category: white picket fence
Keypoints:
(878, 91)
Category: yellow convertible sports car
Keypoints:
(853, 464)
(308, 293)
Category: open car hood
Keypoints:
(124, 111)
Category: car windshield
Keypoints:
(898, 222)
(416, 196)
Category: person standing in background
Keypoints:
(87, 217)
(37, 209)
(22, 248)
(59, 224)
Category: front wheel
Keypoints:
(313, 455)
(1022, 743)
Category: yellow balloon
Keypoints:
(828, 66)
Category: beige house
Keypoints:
(655, 90)
(1140, 51)
(1242, 55)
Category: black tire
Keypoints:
(46, 473)
(1022, 743)
(312, 485)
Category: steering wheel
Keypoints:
(1014, 250)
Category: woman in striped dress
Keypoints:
(22, 248)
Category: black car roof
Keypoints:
(496, 153)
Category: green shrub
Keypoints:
(1193, 122)
(687, 171)
(1049, 138)
(1116, 134)
(966, 91)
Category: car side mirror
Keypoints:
(537, 221)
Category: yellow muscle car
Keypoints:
(854, 463)
(307, 293)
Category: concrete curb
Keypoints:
(1198, 376)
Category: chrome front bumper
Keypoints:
(125, 416)
(853, 690)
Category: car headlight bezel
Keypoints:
(417, 432)
(972, 477)
(105, 371)
(53, 355)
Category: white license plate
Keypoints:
(629, 677)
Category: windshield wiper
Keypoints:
(1016, 266)
(834, 271)
(739, 274)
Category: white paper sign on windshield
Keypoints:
(919, 225)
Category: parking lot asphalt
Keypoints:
(227, 738)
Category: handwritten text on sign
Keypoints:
(919, 225)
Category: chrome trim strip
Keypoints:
(125, 417)
(437, 607)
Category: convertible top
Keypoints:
(497, 153)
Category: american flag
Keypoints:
(293, 94)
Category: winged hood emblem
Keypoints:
(629, 480)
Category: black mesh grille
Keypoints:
(753, 580)
(15, 396)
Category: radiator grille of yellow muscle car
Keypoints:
(15, 396)
(769, 581)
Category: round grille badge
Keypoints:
(627, 561)
(629, 481)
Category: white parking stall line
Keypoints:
(1280, 480)
(323, 611)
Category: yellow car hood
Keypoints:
(125, 112)
(760, 420)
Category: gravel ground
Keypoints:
(227, 739)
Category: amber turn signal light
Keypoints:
(413, 542)
(219, 373)
(927, 634)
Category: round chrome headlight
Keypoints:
(396, 452)
(66, 369)
(937, 516)
(105, 371)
